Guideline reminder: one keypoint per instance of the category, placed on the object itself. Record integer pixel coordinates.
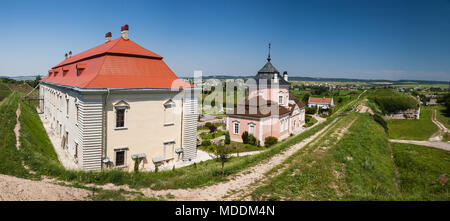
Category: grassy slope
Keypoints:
(38, 154)
(10, 158)
(420, 129)
(442, 116)
(419, 168)
(329, 175)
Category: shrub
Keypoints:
(206, 143)
(269, 141)
(245, 137)
(251, 139)
(212, 128)
(227, 138)
(208, 124)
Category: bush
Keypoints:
(269, 141)
(212, 128)
(245, 137)
(206, 143)
(251, 139)
(208, 124)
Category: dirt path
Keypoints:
(442, 129)
(435, 144)
(17, 127)
(18, 189)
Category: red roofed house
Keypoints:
(323, 102)
(269, 110)
(119, 103)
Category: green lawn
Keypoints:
(420, 129)
(419, 168)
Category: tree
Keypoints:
(222, 153)
(306, 98)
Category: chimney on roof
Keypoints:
(124, 32)
(65, 55)
(108, 37)
(70, 54)
(285, 76)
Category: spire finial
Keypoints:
(268, 58)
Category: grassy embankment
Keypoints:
(10, 157)
(37, 152)
(420, 129)
(443, 117)
(419, 168)
(359, 167)
(4, 92)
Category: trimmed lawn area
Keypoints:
(421, 129)
(419, 168)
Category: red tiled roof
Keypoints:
(322, 100)
(116, 64)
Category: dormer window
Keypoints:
(121, 109)
(64, 71)
(80, 68)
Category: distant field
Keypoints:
(420, 129)
(442, 86)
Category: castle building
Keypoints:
(269, 109)
(118, 105)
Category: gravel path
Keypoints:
(18, 189)
(435, 144)
(442, 129)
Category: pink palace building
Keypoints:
(269, 109)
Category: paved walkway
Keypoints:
(435, 144)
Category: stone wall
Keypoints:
(407, 114)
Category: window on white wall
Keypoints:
(121, 109)
(120, 156)
(169, 150)
(281, 125)
(169, 115)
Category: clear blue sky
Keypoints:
(349, 39)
